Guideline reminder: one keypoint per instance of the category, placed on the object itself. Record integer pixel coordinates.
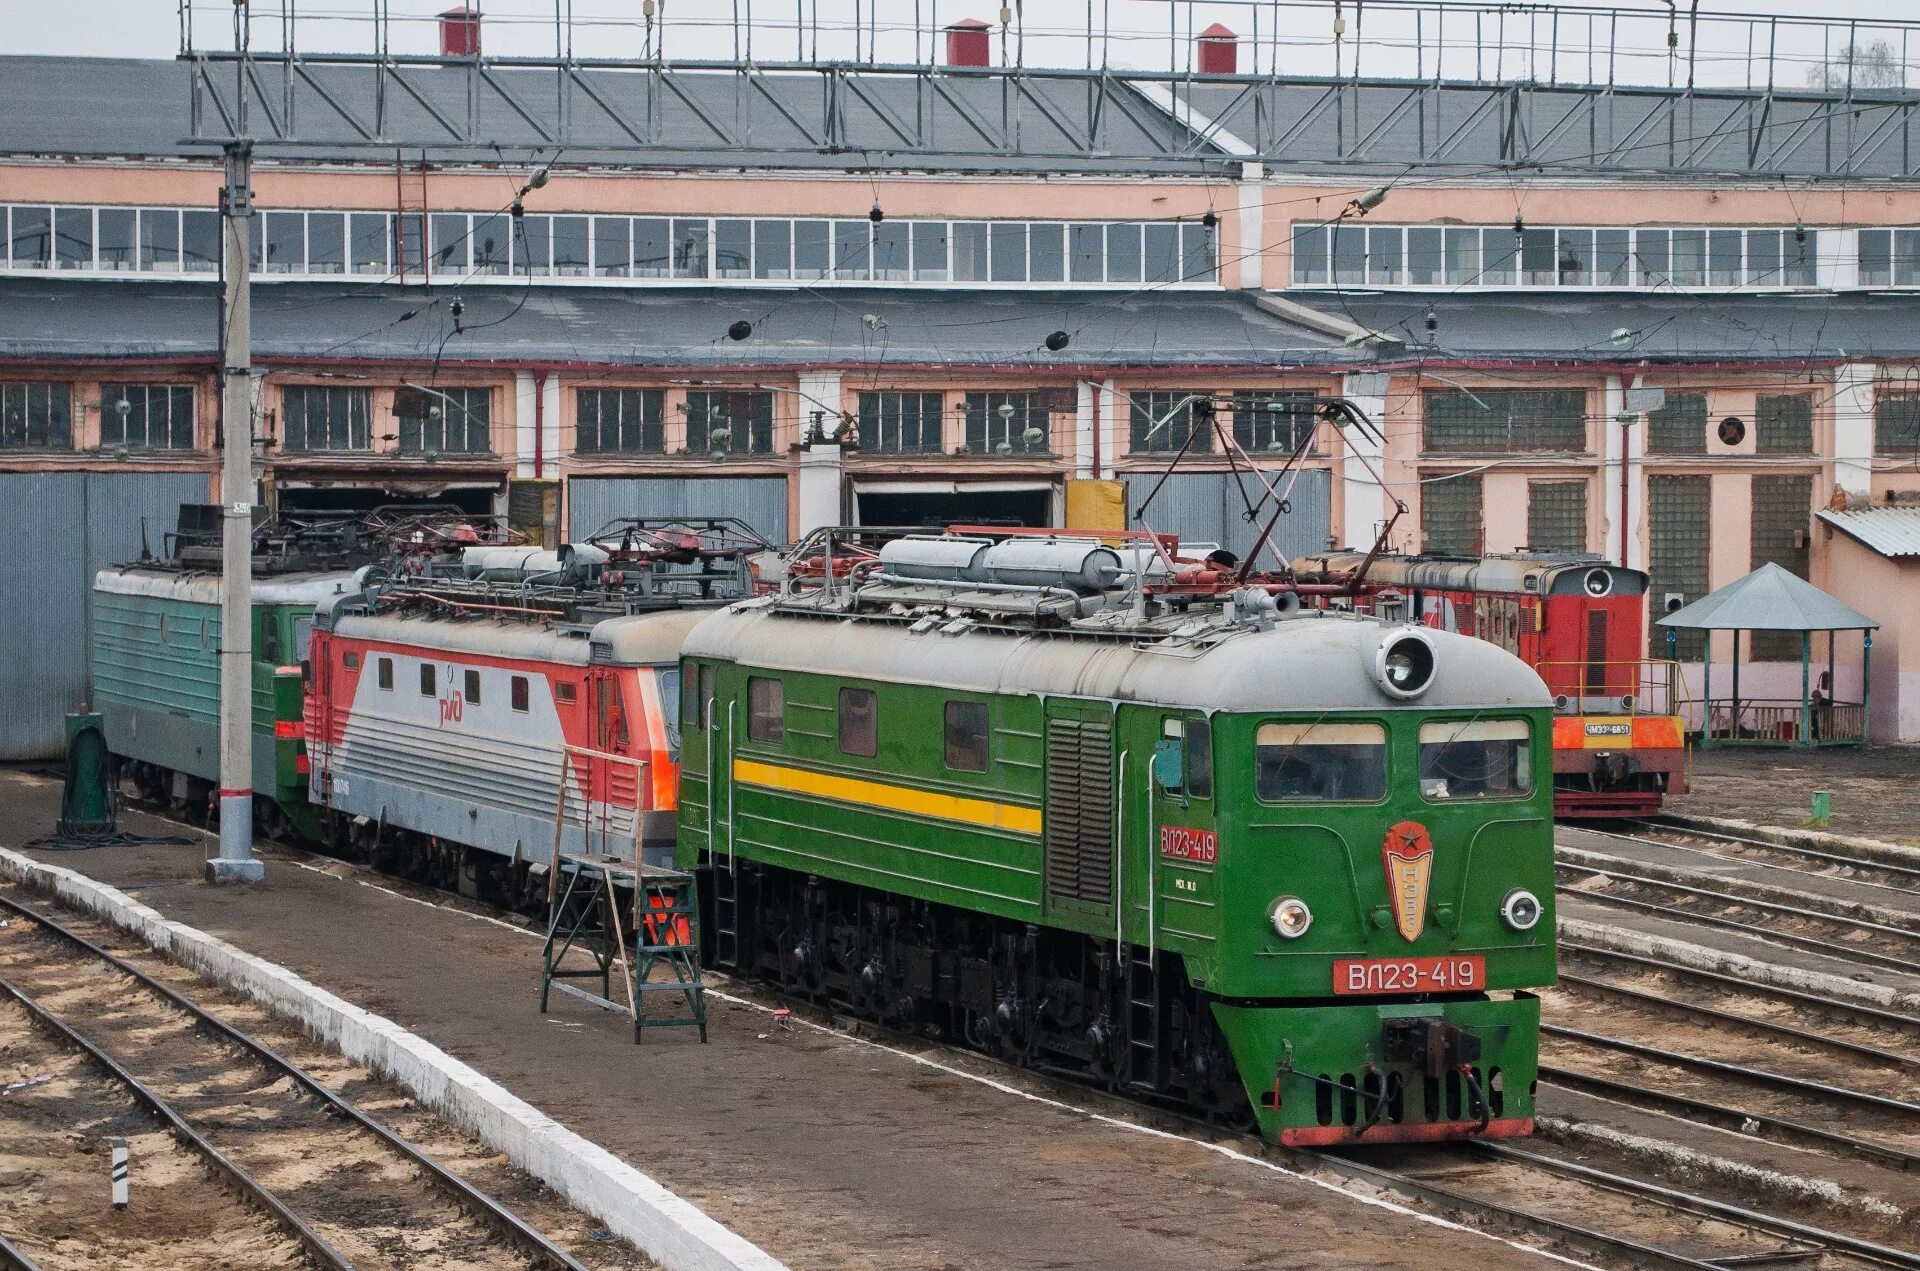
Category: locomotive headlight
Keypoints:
(1291, 917)
(1403, 666)
(1521, 909)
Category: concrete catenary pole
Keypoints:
(235, 863)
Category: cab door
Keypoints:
(613, 787)
(1185, 839)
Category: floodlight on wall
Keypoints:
(1057, 341)
(873, 322)
(1621, 337)
(1004, 410)
(1032, 436)
(740, 330)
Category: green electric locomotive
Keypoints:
(1271, 866)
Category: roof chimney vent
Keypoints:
(1219, 51)
(460, 33)
(969, 43)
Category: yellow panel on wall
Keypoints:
(1096, 505)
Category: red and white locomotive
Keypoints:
(449, 711)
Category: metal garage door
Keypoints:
(1208, 507)
(759, 501)
(60, 529)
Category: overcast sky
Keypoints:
(1056, 32)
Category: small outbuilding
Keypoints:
(1775, 600)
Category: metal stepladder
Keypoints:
(596, 900)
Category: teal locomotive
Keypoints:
(1274, 867)
(156, 684)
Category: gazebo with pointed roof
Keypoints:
(1772, 598)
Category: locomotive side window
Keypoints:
(1475, 759)
(350, 660)
(1320, 762)
(564, 693)
(472, 687)
(766, 710)
(518, 692)
(386, 673)
(859, 723)
(967, 736)
(426, 679)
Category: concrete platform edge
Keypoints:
(1703, 958)
(1819, 840)
(667, 1228)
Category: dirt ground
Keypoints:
(57, 1125)
(827, 1151)
(1876, 789)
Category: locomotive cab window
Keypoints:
(859, 723)
(1183, 762)
(386, 673)
(565, 694)
(1199, 757)
(351, 661)
(426, 679)
(473, 688)
(518, 692)
(766, 710)
(1320, 763)
(967, 736)
(1475, 759)
(667, 681)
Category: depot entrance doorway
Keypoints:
(938, 505)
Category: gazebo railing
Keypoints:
(1776, 721)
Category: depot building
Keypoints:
(1677, 359)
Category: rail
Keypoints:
(543, 1252)
(225, 1166)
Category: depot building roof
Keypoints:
(1626, 326)
(51, 319)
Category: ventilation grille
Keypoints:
(599, 654)
(1079, 814)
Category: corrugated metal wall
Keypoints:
(759, 501)
(60, 529)
(1209, 507)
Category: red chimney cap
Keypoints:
(1217, 30)
(969, 24)
(462, 12)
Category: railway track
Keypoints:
(1865, 871)
(1843, 936)
(1616, 1217)
(352, 1192)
